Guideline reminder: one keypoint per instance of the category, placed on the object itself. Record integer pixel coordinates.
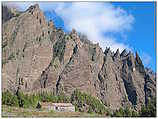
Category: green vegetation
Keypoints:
(150, 109)
(9, 99)
(11, 56)
(27, 101)
(14, 35)
(83, 103)
(19, 100)
(81, 100)
(17, 14)
(4, 44)
(59, 49)
(93, 53)
(126, 98)
(55, 62)
(23, 100)
(67, 37)
(126, 112)
(78, 98)
(4, 62)
(48, 97)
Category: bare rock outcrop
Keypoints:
(27, 49)
(37, 57)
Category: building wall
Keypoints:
(65, 109)
(60, 109)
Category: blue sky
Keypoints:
(120, 25)
(141, 37)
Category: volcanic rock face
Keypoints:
(27, 49)
(36, 57)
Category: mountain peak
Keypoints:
(51, 24)
(117, 54)
(37, 13)
(138, 60)
(33, 7)
(124, 53)
(41, 57)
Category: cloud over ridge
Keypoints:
(96, 19)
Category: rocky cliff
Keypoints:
(37, 56)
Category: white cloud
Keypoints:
(18, 5)
(22, 6)
(94, 19)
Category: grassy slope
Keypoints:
(8, 111)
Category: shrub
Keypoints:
(146, 111)
(4, 62)
(34, 100)
(9, 99)
(27, 101)
(11, 56)
(119, 113)
(125, 112)
(90, 110)
(59, 49)
(17, 14)
(67, 37)
(46, 97)
(21, 99)
(14, 34)
(4, 44)
(150, 109)
(49, 97)
(134, 114)
(81, 99)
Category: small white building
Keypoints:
(58, 107)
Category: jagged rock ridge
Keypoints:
(37, 57)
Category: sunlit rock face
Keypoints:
(36, 56)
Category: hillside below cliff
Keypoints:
(37, 56)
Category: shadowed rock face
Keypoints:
(36, 57)
(6, 14)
